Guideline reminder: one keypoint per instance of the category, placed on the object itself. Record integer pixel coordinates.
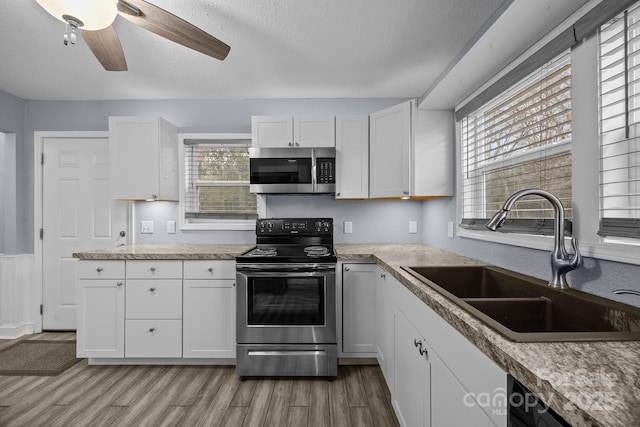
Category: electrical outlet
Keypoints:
(348, 227)
(146, 227)
(413, 227)
(171, 227)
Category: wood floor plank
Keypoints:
(356, 395)
(301, 392)
(259, 406)
(361, 416)
(244, 393)
(215, 412)
(234, 416)
(338, 406)
(379, 403)
(319, 412)
(145, 410)
(298, 416)
(278, 406)
(141, 396)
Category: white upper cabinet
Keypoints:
(293, 131)
(411, 152)
(352, 157)
(144, 155)
(390, 151)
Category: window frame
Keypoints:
(513, 237)
(204, 224)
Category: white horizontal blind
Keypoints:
(217, 181)
(620, 125)
(521, 139)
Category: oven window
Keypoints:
(293, 301)
(280, 171)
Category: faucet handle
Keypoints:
(576, 260)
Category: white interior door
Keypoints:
(77, 215)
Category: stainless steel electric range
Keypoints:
(286, 301)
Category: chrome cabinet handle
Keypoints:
(154, 196)
(152, 330)
(405, 193)
(152, 290)
(347, 269)
(417, 343)
(297, 144)
(119, 284)
(210, 269)
(338, 194)
(152, 269)
(99, 269)
(291, 144)
(423, 351)
(383, 276)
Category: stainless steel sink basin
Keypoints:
(525, 309)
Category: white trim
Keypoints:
(38, 150)
(210, 225)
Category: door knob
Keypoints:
(123, 233)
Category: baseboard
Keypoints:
(9, 332)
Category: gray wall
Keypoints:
(13, 218)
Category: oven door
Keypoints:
(286, 304)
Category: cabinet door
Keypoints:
(144, 154)
(384, 325)
(412, 371)
(100, 318)
(314, 131)
(390, 152)
(451, 404)
(358, 308)
(209, 323)
(272, 131)
(352, 157)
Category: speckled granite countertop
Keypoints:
(168, 251)
(587, 383)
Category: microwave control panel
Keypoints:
(325, 170)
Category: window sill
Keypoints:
(617, 252)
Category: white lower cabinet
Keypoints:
(101, 292)
(209, 324)
(438, 378)
(412, 374)
(359, 308)
(156, 309)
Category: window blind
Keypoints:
(521, 139)
(620, 125)
(217, 180)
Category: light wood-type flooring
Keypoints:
(191, 396)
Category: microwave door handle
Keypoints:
(314, 180)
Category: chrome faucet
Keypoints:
(561, 261)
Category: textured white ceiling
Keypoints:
(279, 49)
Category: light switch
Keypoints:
(146, 227)
(348, 227)
(413, 227)
(171, 227)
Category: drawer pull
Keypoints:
(119, 284)
(152, 269)
(152, 330)
(99, 269)
(152, 290)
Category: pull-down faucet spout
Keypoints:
(561, 261)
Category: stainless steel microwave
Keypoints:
(292, 170)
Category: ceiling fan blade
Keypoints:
(171, 27)
(106, 46)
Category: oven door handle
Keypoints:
(285, 268)
(286, 353)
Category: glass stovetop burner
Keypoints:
(263, 251)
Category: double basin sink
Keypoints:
(525, 309)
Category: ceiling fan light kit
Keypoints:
(87, 15)
(95, 17)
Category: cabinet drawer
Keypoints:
(209, 269)
(153, 338)
(154, 269)
(101, 269)
(154, 299)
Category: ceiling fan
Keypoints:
(94, 18)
